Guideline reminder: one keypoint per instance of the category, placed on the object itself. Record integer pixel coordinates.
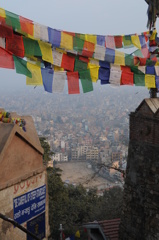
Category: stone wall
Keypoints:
(140, 216)
(7, 230)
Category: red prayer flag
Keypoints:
(6, 31)
(15, 45)
(6, 59)
(118, 41)
(73, 82)
(145, 52)
(68, 62)
(84, 59)
(142, 61)
(127, 78)
(125, 69)
(26, 25)
(88, 49)
(70, 33)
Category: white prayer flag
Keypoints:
(115, 77)
(57, 58)
(59, 81)
(99, 52)
(41, 32)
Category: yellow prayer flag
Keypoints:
(46, 51)
(77, 234)
(66, 41)
(94, 70)
(57, 69)
(91, 38)
(2, 13)
(136, 41)
(36, 75)
(152, 37)
(119, 58)
(150, 81)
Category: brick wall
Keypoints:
(140, 216)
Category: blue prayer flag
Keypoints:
(54, 37)
(104, 64)
(104, 74)
(109, 55)
(150, 70)
(101, 40)
(47, 76)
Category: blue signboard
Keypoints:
(29, 204)
(37, 227)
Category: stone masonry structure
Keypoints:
(23, 181)
(140, 217)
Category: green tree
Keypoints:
(72, 206)
(47, 152)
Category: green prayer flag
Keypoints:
(78, 44)
(139, 79)
(129, 60)
(13, 20)
(138, 53)
(86, 80)
(80, 65)
(135, 70)
(31, 47)
(21, 66)
(127, 41)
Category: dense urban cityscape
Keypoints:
(92, 127)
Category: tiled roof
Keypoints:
(110, 228)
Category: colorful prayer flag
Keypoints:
(86, 81)
(150, 81)
(6, 59)
(118, 41)
(73, 82)
(127, 78)
(12, 20)
(46, 51)
(139, 80)
(68, 62)
(99, 52)
(88, 49)
(110, 43)
(47, 77)
(21, 66)
(59, 81)
(54, 37)
(27, 25)
(66, 41)
(31, 47)
(15, 45)
(77, 234)
(36, 78)
(119, 58)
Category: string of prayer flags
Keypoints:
(21, 66)
(49, 56)
(73, 82)
(86, 81)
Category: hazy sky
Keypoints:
(84, 16)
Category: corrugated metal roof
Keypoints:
(110, 228)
